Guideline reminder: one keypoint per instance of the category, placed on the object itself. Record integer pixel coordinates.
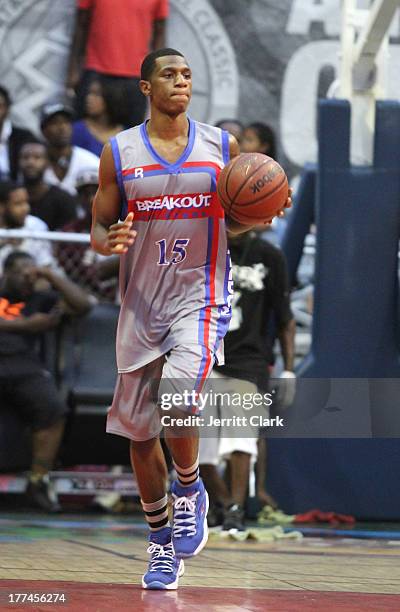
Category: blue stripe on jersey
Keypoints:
(225, 312)
(225, 147)
(161, 160)
(202, 170)
(118, 174)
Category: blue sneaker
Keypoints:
(189, 529)
(164, 567)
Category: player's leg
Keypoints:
(190, 498)
(134, 414)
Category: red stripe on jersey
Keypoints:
(177, 206)
(151, 167)
(144, 168)
(213, 269)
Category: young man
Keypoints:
(25, 385)
(14, 215)
(174, 276)
(53, 205)
(66, 160)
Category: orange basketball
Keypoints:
(253, 188)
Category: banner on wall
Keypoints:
(262, 60)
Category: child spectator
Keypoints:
(14, 215)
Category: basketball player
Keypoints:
(174, 276)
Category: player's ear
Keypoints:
(145, 87)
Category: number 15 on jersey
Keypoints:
(176, 256)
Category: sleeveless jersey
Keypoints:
(175, 280)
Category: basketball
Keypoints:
(252, 188)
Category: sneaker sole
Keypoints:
(160, 586)
(205, 536)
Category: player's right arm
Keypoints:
(108, 235)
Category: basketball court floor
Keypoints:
(97, 562)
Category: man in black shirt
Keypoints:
(261, 297)
(25, 386)
(53, 205)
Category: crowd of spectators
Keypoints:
(48, 179)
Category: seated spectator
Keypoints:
(259, 138)
(53, 205)
(79, 261)
(11, 139)
(100, 122)
(25, 386)
(15, 209)
(65, 160)
(232, 126)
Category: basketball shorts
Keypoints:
(135, 412)
(235, 433)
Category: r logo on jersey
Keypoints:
(138, 172)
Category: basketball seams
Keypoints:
(248, 211)
(270, 193)
(248, 178)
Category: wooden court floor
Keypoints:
(97, 563)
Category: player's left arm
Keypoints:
(233, 227)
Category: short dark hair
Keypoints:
(13, 257)
(6, 95)
(6, 188)
(266, 135)
(237, 122)
(149, 62)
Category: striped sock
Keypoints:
(188, 476)
(156, 513)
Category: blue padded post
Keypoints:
(355, 319)
(299, 220)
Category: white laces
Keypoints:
(162, 557)
(185, 515)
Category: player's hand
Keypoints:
(121, 236)
(288, 204)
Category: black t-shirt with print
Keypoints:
(18, 343)
(261, 295)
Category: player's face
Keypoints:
(251, 143)
(58, 130)
(171, 85)
(33, 161)
(17, 208)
